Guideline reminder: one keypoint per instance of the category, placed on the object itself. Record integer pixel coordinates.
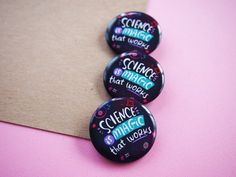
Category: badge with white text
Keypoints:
(134, 74)
(133, 31)
(122, 130)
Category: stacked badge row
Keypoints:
(123, 129)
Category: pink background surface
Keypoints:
(195, 113)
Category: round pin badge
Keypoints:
(133, 74)
(122, 130)
(133, 31)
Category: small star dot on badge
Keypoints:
(122, 157)
(114, 90)
(100, 113)
(127, 155)
(130, 102)
(145, 145)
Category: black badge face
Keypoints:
(122, 130)
(134, 74)
(133, 31)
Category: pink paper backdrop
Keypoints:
(195, 112)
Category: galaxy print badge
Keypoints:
(122, 130)
(133, 74)
(133, 31)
